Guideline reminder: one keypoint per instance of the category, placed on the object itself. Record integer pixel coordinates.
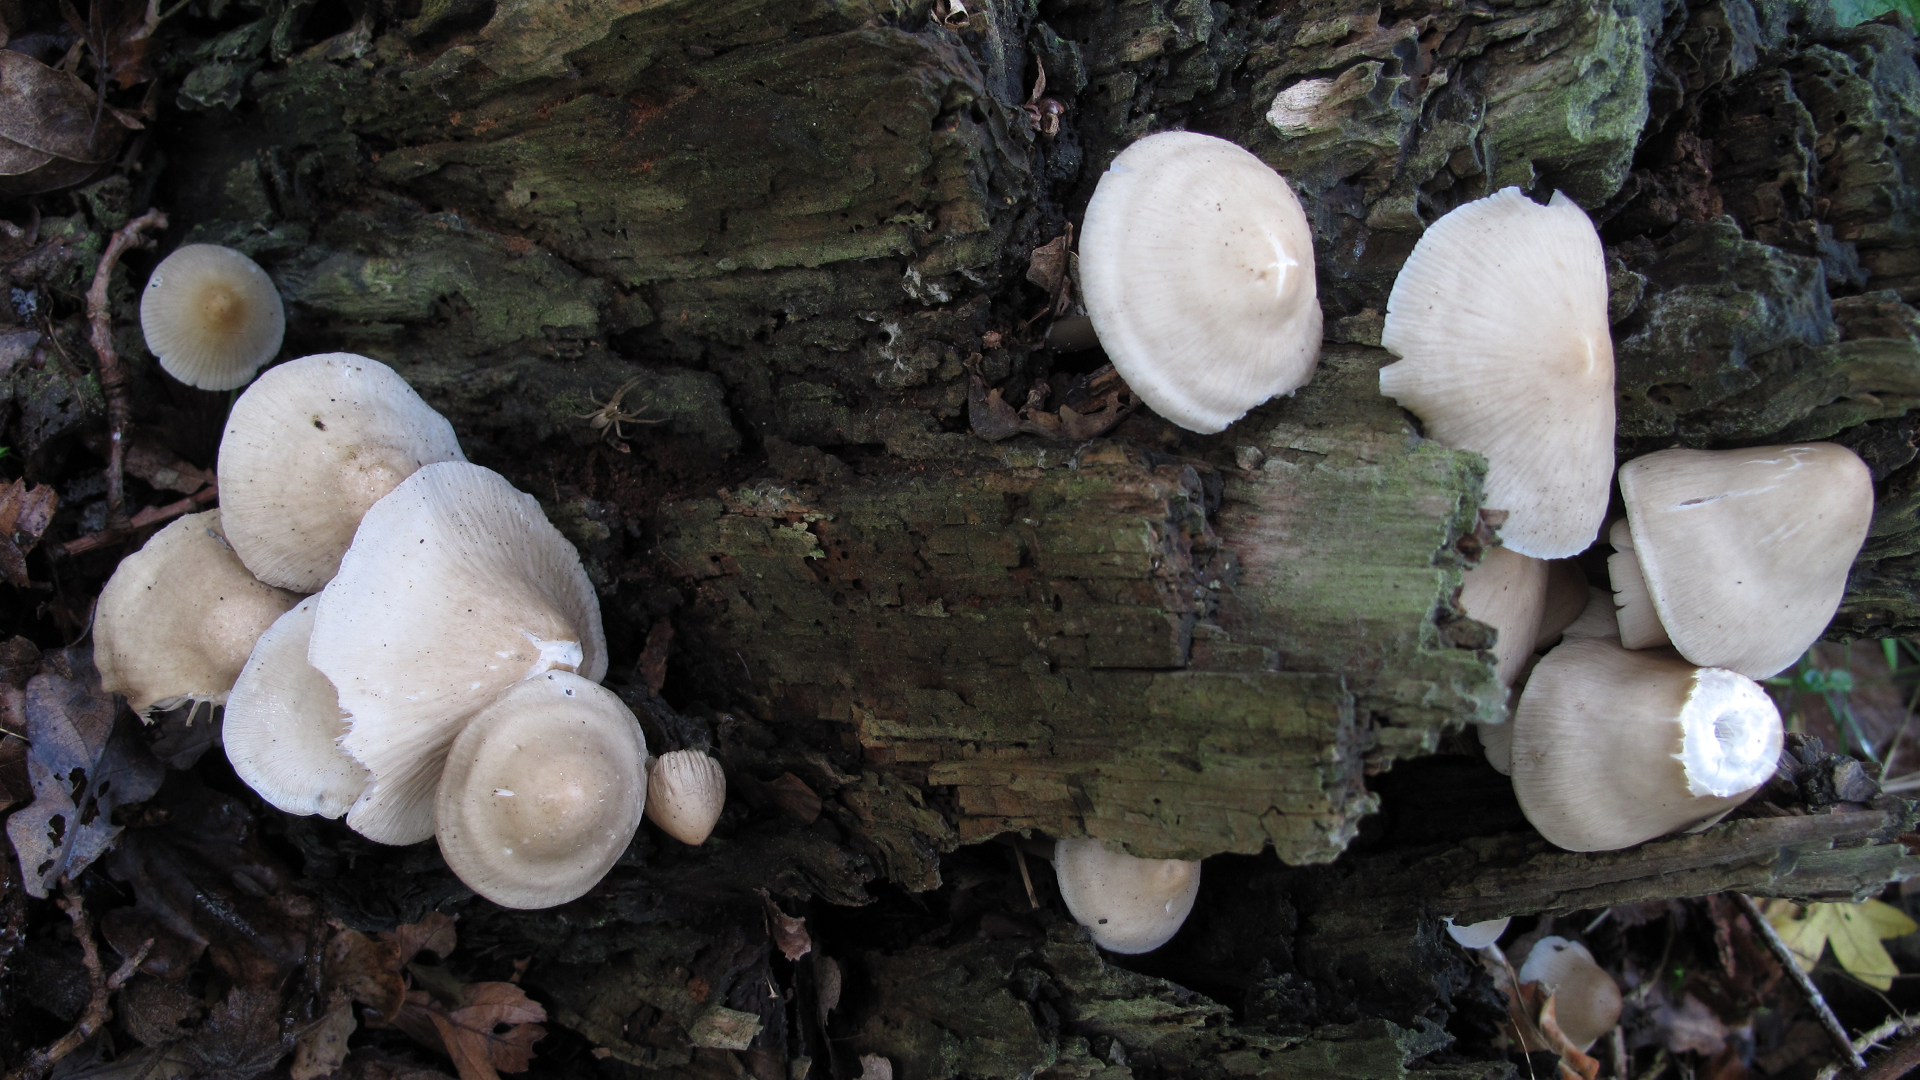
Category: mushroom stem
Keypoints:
(113, 379)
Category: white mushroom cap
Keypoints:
(686, 790)
(1613, 746)
(1586, 1000)
(1496, 744)
(283, 721)
(1501, 316)
(455, 588)
(178, 618)
(1508, 592)
(1746, 552)
(1477, 935)
(1566, 599)
(1597, 619)
(1196, 266)
(1129, 905)
(1637, 623)
(543, 791)
(308, 448)
(211, 316)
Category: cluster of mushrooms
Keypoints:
(397, 635)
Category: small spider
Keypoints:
(608, 417)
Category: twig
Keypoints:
(112, 378)
(1867, 1040)
(140, 521)
(1800, 979)
(99, 1006)
(1020, 857)
(1900, 1060)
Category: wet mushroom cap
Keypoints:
(283, 722)
(211, 316)
(1500, 317)
(1745, 553)
(1586, 1000)
(1129, 905)
(686, 790)
(179, 617)
(543, 791)
(307, 449)
(1196, 266)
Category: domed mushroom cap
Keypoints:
(1129, 905)
(1613, 746)
(178, 618)
(542, 792)
(1746, 552)
(283, 722)
(211, 316)
(308, 448)
(1508, 592)
(1196, 266)
(455, 588)
(686, 790)
(1500, 315)
(1586, 1000)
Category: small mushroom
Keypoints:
(307, 449)
(1586, 1000)
(1613, 746)
(1500, 316)
(1745, 553)
(211, 316)
(686, 790)
(1508, 592)
(1638, 625)
(1477, 935)
(177, 619)
(283, 723)
(543, 791)
(456, 587)
(1129, 905)
(1196, 266)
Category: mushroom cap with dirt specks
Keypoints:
(1500, 318)
(283, 722)
(1129, 905)
(211, 316)
(1196, 266)
(543, 791)
(307, 449)
(686, 790)
(1586, 1000)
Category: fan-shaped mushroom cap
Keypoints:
(1566, 599)
(1586, 1000)
(211, 316)
(543, 790)
(178, 618)
(1508, 592)
(308, 448)
(1477, 935)
(283, 721)
(455, 588)
(686, 790)
(1613, 746)
(1637, 622)
(1745, 552)
(1196, 265)
(1129, 905)
(1500, 315)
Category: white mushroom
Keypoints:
(1129, 905)
(1507, 591)
(686, 790)
(1586, 1000)
(211, 316)
(1477, 935)
(283, 723)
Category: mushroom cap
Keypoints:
(1597, 620)
(1129, 905)
(1636, 622)
(1746, 552)
(1566, 599)
(1507, 591)
(1613, 746)
(178, 618)
(1196, 266)
(1586, 1000)
(1477, 935)
(1496, 745)
(211, 316)
(283, 722)
(543, 791)
(455, 588)
(1500, 316)
(308, 448)
(686, 790)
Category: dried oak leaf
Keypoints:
(433, 934)
(322, 1047)
(51, 133)
(24, 515)
(467, 1031)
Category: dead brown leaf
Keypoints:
(51, 134)
(652, 666)
(1051, 267)
(24, 515)
(1574, 1064)
(789, 934)
(434, 934)
(466, 1032)
(1091, 407)
(322, 1047)
(368, 971)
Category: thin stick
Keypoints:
(112, 378)
(99, 1006)
(1800, 978)
(1900, 1060)
(1020, 857)
(140, 521)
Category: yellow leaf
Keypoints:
(1854, 930)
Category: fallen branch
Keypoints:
(99, 1006)
(1800, 978)
(112, 378)
(140, 521)
(1868, 1040)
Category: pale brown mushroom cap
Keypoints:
(1500, 315)
(1637, 623)
(1746, 552)
(211, 316)
(1566, 599)
(455, 588)
(542, 792)
(179, 617)
(307, 449)
(1613, 746)
(1196, 266)
(686, 790)
(1129, 905)
(1599, 619)
(283, 722)
(1586, 1000)
(1507, 591)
